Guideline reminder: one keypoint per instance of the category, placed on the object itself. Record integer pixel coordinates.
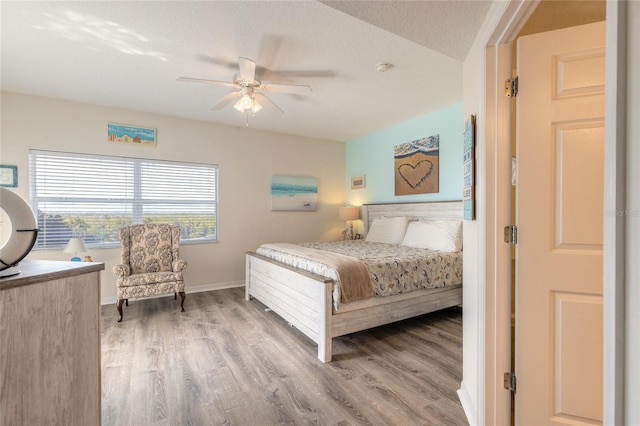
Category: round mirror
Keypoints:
(22, 231)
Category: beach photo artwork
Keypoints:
(417, 166)
(131, 134)
(294, 193)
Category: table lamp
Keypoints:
(348, 214)
(75, 246)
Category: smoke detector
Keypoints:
(383, 66)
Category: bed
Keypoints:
(310, 301)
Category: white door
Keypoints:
(559, 208)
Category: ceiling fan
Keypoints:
(250, 91)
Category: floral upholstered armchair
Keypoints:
(150, 263)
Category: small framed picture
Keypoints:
(357, 182)
(8, 176)
(131, 134)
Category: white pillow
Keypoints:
(388, 230)
(434, 235)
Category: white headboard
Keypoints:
(434, 210)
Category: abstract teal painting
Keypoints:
(294, 193)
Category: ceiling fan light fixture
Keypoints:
(256, 106)
(244, 103)
(238, 105)
(247, 101)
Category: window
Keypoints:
(92, 197)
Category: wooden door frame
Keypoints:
(495, 179)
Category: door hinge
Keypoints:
(511, 234)
(511, 88)
(510, 382)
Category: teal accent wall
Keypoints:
(372, 156)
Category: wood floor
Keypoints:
(226, 361)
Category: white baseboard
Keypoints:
(467, 404)
(188, 290)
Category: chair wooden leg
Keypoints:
(182, 301)
(175, 296)
(126, 302)
(119, 307)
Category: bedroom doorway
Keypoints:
(559, 203)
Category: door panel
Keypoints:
(578, 178)
(559, 213)
(577, 322)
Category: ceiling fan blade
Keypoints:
(268, 74)
(270, 48)
(247, 69)
(297, 89)
(233, 66)
(205, 81)
(225, 101)
(263, 96)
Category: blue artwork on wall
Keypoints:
(294, 193)
(131, 134)
(468, 167)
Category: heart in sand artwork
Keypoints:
(417, 166)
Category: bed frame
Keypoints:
(304, 299)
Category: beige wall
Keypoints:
(247, 158)
(470, 392)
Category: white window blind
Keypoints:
(93, 196)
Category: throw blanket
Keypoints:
(353, 275)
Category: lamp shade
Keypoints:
(75, 245)
(349, 213)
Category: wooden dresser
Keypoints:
(50, 344)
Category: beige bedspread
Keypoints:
(353, 275)
(393, 268)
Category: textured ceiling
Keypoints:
(129, 54)
(448, 27)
